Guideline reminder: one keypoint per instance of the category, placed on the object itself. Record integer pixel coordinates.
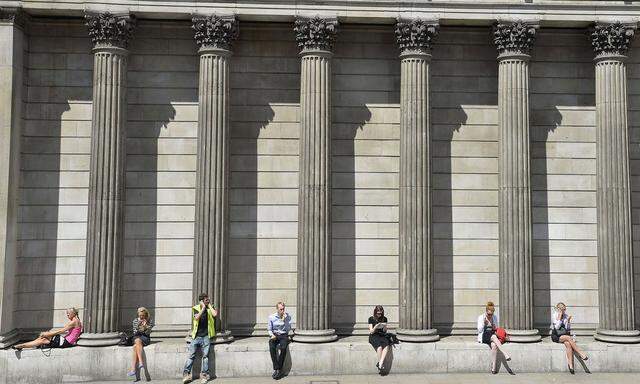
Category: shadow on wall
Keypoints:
(541, 126)
(147, 118)
(442, 222)
(247, 123)
(41, 216)
(344, 220)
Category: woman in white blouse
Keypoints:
(487, 325)
(561, 333)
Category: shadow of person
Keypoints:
(582, 362)
(503, 361)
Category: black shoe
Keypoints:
(571, 370)
(494, 371)
(276, 373)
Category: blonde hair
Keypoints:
(490, 306)
(279, 303)
(561, 304)
(145, 311)
(73, 310)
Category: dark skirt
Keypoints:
(377, 340)
(486, 337)
(59, 342)
(556, 338)
(146, 340)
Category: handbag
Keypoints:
(501, 333)
(126, 340)
(393, 339)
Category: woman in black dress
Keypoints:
(377, 338)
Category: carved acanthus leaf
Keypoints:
(215, 31)
(315, 33)
(611, 39)
(106, 29)
(416, 35)
(514, 37)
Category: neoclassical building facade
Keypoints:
(428, 157)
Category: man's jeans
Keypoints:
(203, 342)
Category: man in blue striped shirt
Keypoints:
(278, 326)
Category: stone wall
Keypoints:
(161, 151)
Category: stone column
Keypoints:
(214, 36)
(110, 35)
(415, 38)
(514, 42)
(11, 84)
(615, 259)
(315, 38)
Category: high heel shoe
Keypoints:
(571, 370)
(585, 358)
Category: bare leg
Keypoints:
(578, 350)
(569, 351)
(134, 359)
(34, 344)
(138, 348)
(379, 353)
(494, 339)
(494, 356)
(384, 355)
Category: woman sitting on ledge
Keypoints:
(561, 333)
(54, 338)
(141, 338)
(377, 338)
(487, 326)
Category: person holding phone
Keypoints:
(203, 329)
(141, 338)
(561, 333)
(64, 337)
(487, 325)
(278, 326)
(377, 335)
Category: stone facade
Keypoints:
(422, 161)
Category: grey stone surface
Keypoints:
(513, 42)
(415, 38)
(315, 39)
(105, 221)
(11, 125)
(615, 257)
(214, 37)
(349, 356)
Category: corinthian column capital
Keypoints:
(217, 32)
(611, 39)
(416, 35)
(12, 15)
(514, 37)
(109, 30)
(315, 33)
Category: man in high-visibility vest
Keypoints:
(203, 330)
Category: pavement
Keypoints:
(445, 378)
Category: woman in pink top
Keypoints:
(54, 338)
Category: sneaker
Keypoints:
(204, 378)
(186, 378)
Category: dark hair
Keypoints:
(375, 311)
(202, 296)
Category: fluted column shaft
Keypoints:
(106, 194)
(515, 230)
(314, 200)
(611, 42)
(415, 201)
(212, 185)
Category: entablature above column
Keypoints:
(550, 13)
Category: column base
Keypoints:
(523, 335)
(99, 339)
(9, 338)
(619, 337)
(315, 336)
(418, 335)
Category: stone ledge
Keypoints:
(350, 355)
